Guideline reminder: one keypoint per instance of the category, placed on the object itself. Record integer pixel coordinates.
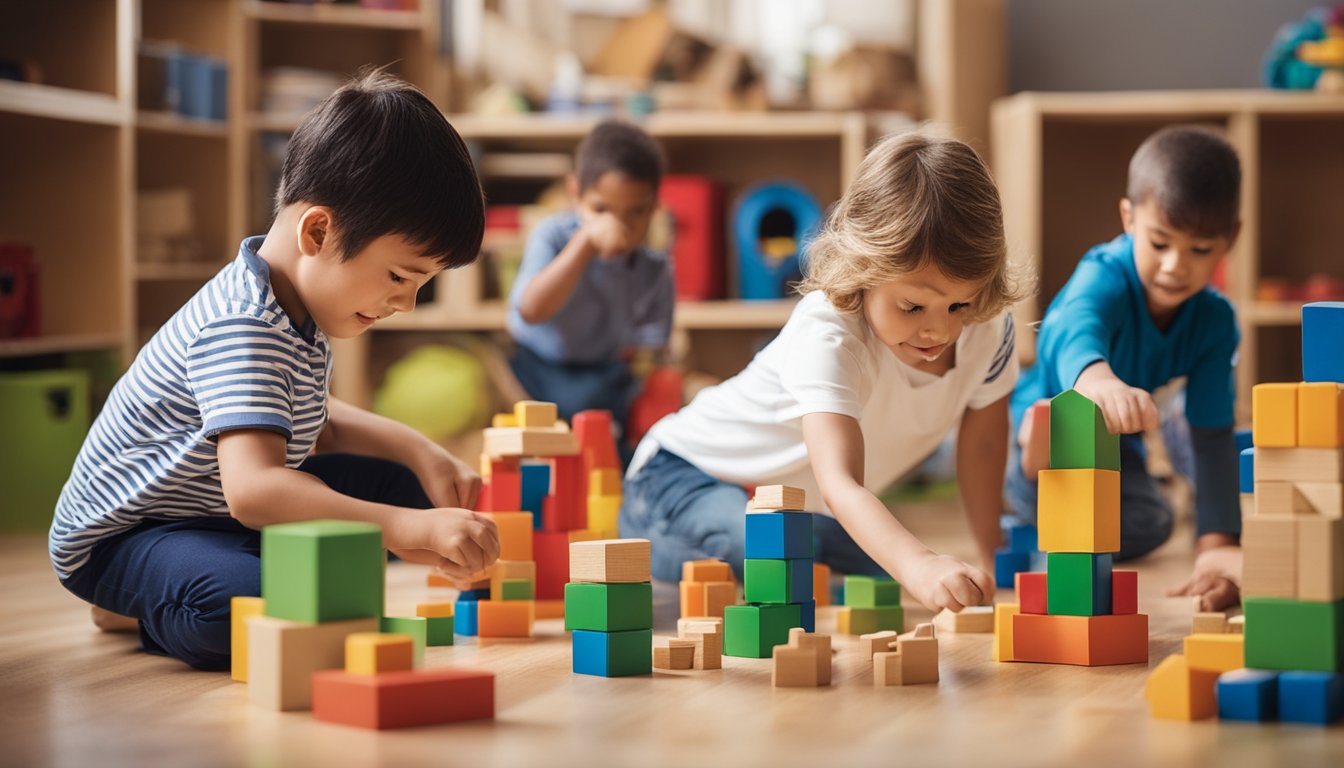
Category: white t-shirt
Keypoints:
(748, 430)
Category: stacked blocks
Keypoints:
(609, 607)
(707, 587)
(872, 604)
(706, 632)
(508, 609)
(1079, 611)
(776, 575)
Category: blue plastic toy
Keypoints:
(773, 224)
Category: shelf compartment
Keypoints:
(333, 15)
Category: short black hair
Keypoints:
(387, 162)
(615, 145)
(1192, 173)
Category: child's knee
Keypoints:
(1144, 528)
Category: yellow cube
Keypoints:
(1274, 415)
(369, 653)
(240, 609)
(604, 482)
(503, 420)
(1320, 415)
(1002, 647)
(604, 513)
(842, 621)
(1215, 653)
(434, 610)
(534, 413)
(1078, 510)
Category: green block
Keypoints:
(438, 630)
(867, 620)
(44, 417)
(415, 626)
(1078, 436)
(753, 631)
(777, 580)
(516, 589)
(609, 607)
(871, 592)
(1078, 584)
(322, 570)
(613, 654)
(1294, 634)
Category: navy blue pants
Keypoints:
(178, 576)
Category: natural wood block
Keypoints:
(1078, 510)
(534, 413)
(1215, 652)
(1320, 558)
(1320, 415)
(1325, 499)
(971, 619)
(1299, 465)
(1237, 624)
(505, 618)
(794, 667)
(1209, 623)
(510, 570)
(887, 668)
(604, 482)
(707, 570)
(372, 653)
(919, 656)
(1176, 692)
(515, 534)
(1083, 640)
(434, 610)
(1247, 504)
(707, 632)
(821, 584)
(877, 642)
(677, 653)
(610, 560)
(403, 699)
(770, 497)
(1002, 647)
(1274, 415)
(1269, 559)
(821, 645)
(1280, 497)
(284, 654)
(530, 441)
(240, 610)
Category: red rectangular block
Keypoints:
(403, 699)
(1124, 592)
(566, 508)
(1089, 641)
(550, 549)
(1030, 588)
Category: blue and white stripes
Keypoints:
(1007, 347)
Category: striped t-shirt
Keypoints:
(229, 359)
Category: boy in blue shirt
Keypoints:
(589, 292)
(223, 424)
(1138, 313)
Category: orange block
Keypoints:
(706, 570)
(505, 618)
(821, 584)
(1176, 692)
(1274, 415)
(403, 699)
(692, 598)
(434, 610)
(550, 609)
(515, 534)
(1320, 414)
(701, 598)
(1089, 641)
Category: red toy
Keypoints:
(20, 300)
(696, 205)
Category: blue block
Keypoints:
(809, 611)
(1248, 694)
(1020, 537)
(1243, 440)
(472, 595)
(779, 535)
(535, 480)
(1322, 338)
(464, 618)
(1316, 698)
(838, 592)
(613, 654)
(1008, 564)
(795, 575)
(1247, 473)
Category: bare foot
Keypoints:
(108, 621)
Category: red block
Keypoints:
(566, 509)
(596, 443)
(1030, 588)
(696, 205)
(550, 549)
(660, 397)
(1124, 592)
(1089, 641)
(403, 699)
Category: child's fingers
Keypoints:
(486, 535)
(1148, 411)
(985, 583)
(965, 591)
(468, 491)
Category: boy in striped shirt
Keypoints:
(223, 424)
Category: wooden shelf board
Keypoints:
(176, 271)
(333, 15)
(1139, 104)
(662, 125)
(1274, 313)
(49, 345)
(173, 123)
(689, 315)
(60, 103)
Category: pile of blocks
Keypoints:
(908, 659)
(1079, 611)
(707, 587)
(872, 604)
(503, 603)
(776, 576)
(609, 607)
(706, 635)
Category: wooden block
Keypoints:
(604, 482)
(1274, 415)
(770, 497)
(1237, 624)
(240, 610)
(718, 596)
(887, 668)
(779, 535)
(403, 699)
(322, 570)
(1176, 692)
(692, 598)
(1215, 652)
(608, 607)
(510, 570)
(1124, 591)
(1322, 329)
(707, 632)
(566, 509)
(503, 420)
(1294, 634)
(1078, 583)
(793, 667)
(550, 609)
(777, 581)
(1078, 436)
(919, 656)
(751, 631)
(1299, 465)
(417, 627)
(699, 623)
(1209, 623)
(842, 621)
(707, 570)
(534, 413)
(871, 592)
(1002, 647)
(604, 514)
(515, 534)
(505, 618)
(1280, 497)
(876, 642)
(1324, 499)
(372, 653)
(434, 610)
(1247, 504)
(821, 584)
(530, 441)
(1320, 558)
(1269, 564)
(1031, 591)
(677, 653)
(610, 560)
(612, 654)
(284, 654)
(820, 645)
(1320, 414)
(971, 619)
(1082, 640)
(862, 621)
(1078, 510)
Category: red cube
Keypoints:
(1124, 592)
(1031, 595)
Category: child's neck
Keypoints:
(281, 255)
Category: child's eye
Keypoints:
(955, 308)
(1202, 250)
(1158, 246)
(397, 278)
(913, 309)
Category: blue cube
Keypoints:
(464, 618)
(808, 609)
(1322, 336)
(1020, 537)
(779, 535)
(1247, 473)
(535, 482)
(1315, 698)
(1008, 564)
(1248, 694)
(613, 654)
(472, 595)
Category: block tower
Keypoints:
(776, 576)
(609, 607)
(1079, 611)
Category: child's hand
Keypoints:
(1215, 579)
(941, 582)
(1127, 409)
(458, 542)
(448, 481)
(607, 235)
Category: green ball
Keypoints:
(439, 391)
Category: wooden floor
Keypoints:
(73, 696)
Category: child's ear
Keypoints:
(1127, 215)
(315, 230)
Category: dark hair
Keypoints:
(386, 161)
(1193, 175)
(614, 145)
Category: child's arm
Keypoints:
(545, 294)
(982, 455)
(1127, 409)
(835, 445)
(260, 490)
(447, 480)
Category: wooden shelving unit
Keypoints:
(1061, 162)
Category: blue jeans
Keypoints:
(689, 515)
(1146, 520)
(178, 576)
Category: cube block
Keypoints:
(1322, 330)
(1078, 510)
(613, 654)
(417, 627)
(1248, 694)
(859, 620)
(284, 654)
(322, 570)
(1083, 640)
(1007, 564)
(1313, 698)
(707, 570)
(515, 534)
(505, 618)
(1078, 584)
(871, 591)
(1269, 547)
(372, 653)
(1176, 692)
(610, 560)
(1274, 415)
(777, 581)
(1031, 592)
(608, 607)
(1215, 653)
(1320, 414)
(752, 631)
(779, 535)
(403, 699)
(1320, 558)
(464, 618)
(535, 485)
(1284, 634)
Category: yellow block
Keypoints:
(240, 608)
(1215, 653)
(534, 413)
(1274, 415)
(504, 420)
(604, 513)
(1320, 415)
(604, 482)
(1078, 510)
(368, 653)
(842, 621)
(1002, 647)
(434, 610)
(1176, 692)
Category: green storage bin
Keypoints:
(44, 416)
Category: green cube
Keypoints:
(867, 620)
(415, 626)
(1078, 435)
(609, 607)
(612, 654)
(1078, 584)
(777, 580)
(753, 631)
(516, 589)
(322, 570)
(438, 630)
(1294, 634)
(871, 592)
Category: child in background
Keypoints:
(1137, 313)
(902, 335)
(223, 424)
(589, 293)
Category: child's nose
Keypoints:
(403, 301)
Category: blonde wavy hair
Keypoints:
(917, 200)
